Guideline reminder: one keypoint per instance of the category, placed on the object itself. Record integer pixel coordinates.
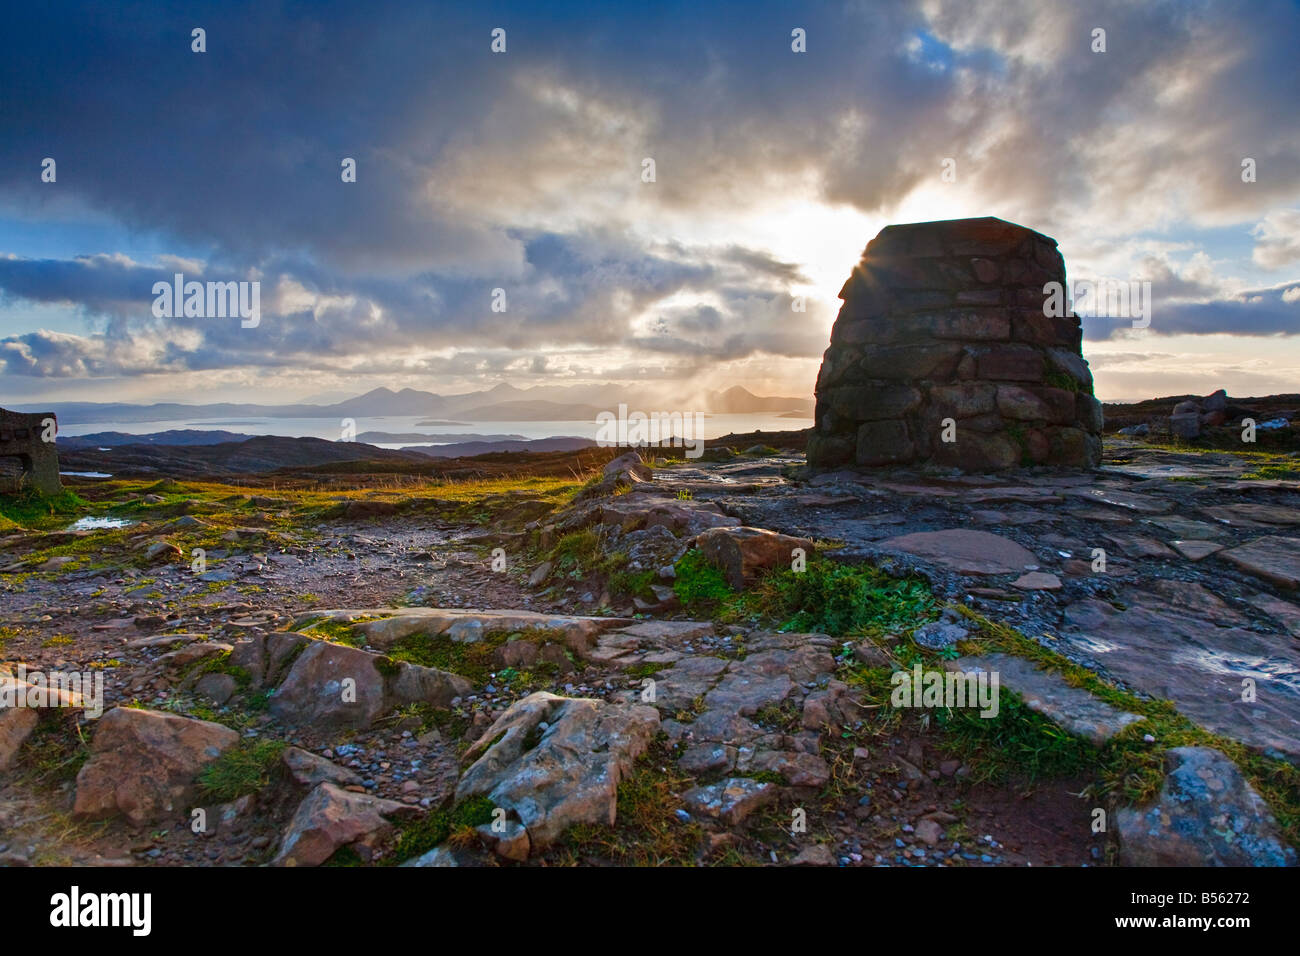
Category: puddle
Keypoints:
(98, 524)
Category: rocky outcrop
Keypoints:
(331, 818)
(624, 471)
(28, 461)
(338, 686)
(1206, 815)
(947, 351)
(1192, 415)
(551, 762)
(383, 627)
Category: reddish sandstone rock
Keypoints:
(330, 818)
(143, 765)
(16, 725)
(742, 552)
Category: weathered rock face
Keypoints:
(1206, 815)
(554, 761)
(331, 818)
(331, 685)
(26, 459)
(143, 764)
(944, 353)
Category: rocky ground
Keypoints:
(627, 670)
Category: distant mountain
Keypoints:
(502, 402)
(259, 454)
(739, 401)
(178, 436)
(380, 402)
(265, 453)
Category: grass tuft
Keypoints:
(240, 770)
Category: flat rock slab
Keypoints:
(677, 687)
(1196, 550)
(1284, 612)
(1147, 462)
(1207, 815)
(1254, 514)
(825, 501)
(1012, 495)
(965, 551)
(1189, 528)
(1037, 581)
(1143, 504)
(1273, 558)
(461, 624)
(1177, 644)
(1139, 546)
(668, 633)
(732, 800)
(1071, 708)
(1014, 518)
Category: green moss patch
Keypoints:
(700, 584)
(421, 835)
(476, 661)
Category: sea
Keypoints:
(715, 426)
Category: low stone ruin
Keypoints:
(947, 352)
(27, 461)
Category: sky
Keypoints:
(525, 171)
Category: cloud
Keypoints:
(1277, 239)
(1258, 312)
(588, 289)
(523, 171)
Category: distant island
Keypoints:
(500, 403)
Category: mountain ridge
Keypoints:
(384, 402)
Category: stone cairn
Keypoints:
(944, 354)
(26, 460)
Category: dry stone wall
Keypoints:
(944, 354)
